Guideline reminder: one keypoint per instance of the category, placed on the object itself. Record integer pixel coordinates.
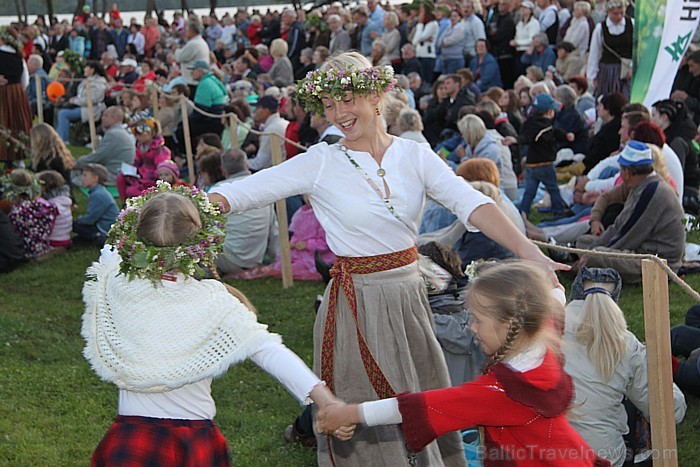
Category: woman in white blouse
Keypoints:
(526, 28)
(373, 335)
(579, 30)
(424, 40)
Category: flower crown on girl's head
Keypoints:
(14, 193)
(141, 259)
(335, 83)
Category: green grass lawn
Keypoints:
(54, 409)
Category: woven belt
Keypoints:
(341, 273)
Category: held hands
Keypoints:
(338, 419)
(325, 400)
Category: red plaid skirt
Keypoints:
(159, 442)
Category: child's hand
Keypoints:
(570, 137)
(332, 418)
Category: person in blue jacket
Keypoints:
(539, 54)
(485, 68)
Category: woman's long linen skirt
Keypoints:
(16, 116)
(395, 318)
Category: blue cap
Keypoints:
(635, 153)
(168, 87)
(199, 65)
(544, 102)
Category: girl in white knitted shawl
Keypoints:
(161, 335)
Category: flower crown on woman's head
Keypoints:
(335, 83)
(15, 193)
(140, 258)
(10, 39)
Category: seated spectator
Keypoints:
(680, 131)
(485, 67)
(102, 211)
(539, 54)
(410, 126)
(308, 241)
(251, 236)
(35, 64)
(569, 62)
(510, 104)
(378, 54)
(584, 99)
(115, 147)
(607, 363)
(209, 171)
(49, 152)
(150, 151)
(475, 246)
(570, 121)
(325, 130)
(305, 58)
(607, 140)
(55, 190)
(463, 355)
(685, 342)
(11, 245)
(31, 216)
(78, 106)
(649, 223)
(267, 114)
(168, 171)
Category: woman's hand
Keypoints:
(221, 201)
(460, 152)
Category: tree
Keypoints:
(49, 9)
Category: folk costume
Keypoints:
(15, 114)
(148, 337)
(374, 335)
(520, 403)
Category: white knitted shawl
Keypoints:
(154, 339)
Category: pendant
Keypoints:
(381, 172)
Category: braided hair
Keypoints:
(516, 294)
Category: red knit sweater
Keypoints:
(523, 415)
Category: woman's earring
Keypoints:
(376, 110)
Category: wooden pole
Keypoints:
(281, 207)
(233, 127)
(91, 117)
(39, 100)
(154, 98)
(188, 142)
(657, 331)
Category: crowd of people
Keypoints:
(400, 125)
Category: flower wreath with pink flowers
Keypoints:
(139, 258)
(336, 83)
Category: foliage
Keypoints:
(336, 83)
(17, 142)
(75, 61)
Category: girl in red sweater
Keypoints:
(522, 398)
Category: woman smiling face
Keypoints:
(353, 115)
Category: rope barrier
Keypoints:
(581, 252)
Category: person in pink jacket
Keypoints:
(150, 151)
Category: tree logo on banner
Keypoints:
(677, 49)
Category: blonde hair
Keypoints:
(472, 128)
(659, 163)
(584, 7)
(392, 108)
(489, 106)
(602, 330)
(279, 48)
(392, 18)
(46, 145)
(350, 61)
(168, 219)
(518, 294)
